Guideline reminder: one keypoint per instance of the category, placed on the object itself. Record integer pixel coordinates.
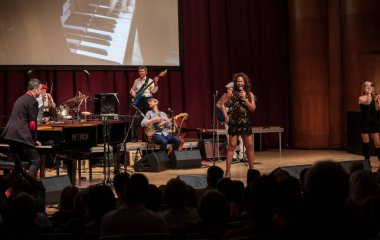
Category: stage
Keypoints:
(265, 162)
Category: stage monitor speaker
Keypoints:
(197, 181)
(153, 162)
(206, 148)
(294, 171)
(186, 159)
(53, 188)
(347, 165)
(106, 103)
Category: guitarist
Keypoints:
(161, 137)
(141, 83)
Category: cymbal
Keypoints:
(75, 100)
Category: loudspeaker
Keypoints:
(53, 188)
(293, 171)
(347, 165)
(197, 181)
(106, 103)
(186, 159)
(205, 146)
(153, 162)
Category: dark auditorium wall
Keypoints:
(306, 60)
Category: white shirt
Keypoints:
(148, 91)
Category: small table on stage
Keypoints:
(255, 130)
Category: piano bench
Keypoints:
(6, 166)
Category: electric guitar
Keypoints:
(140, 92)
(150, 128)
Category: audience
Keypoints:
(66, 207)
(119, 181)
(324, 203)
(178, 213)
(133, 217)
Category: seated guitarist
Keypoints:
(154, 117)
(140, 83)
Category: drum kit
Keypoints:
(71, 108)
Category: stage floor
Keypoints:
(265, 162)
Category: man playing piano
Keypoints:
(153, 118)
(140, 83)
(21, 129)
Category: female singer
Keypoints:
(241, 102)
(369, 122)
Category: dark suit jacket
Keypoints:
(25, 111)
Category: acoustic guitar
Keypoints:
(150, 128)
(140, 92)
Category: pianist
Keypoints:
(161, 136)
(21, 129)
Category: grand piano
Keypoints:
(73, 141)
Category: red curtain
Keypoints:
(220, 38)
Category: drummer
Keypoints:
(46, 105)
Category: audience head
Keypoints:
(214, 173)
(176, 193)
(119, 181)
(68, 195)
(326, 185)
(213, 207)
(227, 187)
(100, 201)
(261, 198)
(136, 188)
(252, 175)
(23, 209)
(363, 186)
(154, 198)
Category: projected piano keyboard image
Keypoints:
(97, 28)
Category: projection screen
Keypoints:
(89, 32)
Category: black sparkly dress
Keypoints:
(239, 120)
(369, 118)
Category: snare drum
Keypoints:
(63, 112)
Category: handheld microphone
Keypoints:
(240, 89)
(170, 110)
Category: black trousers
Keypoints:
(144, 107)
(26, 153)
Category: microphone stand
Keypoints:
(123, 145)
(106, 146)
(213, 127)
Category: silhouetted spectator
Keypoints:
(252, 175)
(214, 174)
(133, 217)
(325, 215)
(178, 214)
(100, 201)
(154, 198)
(22, 218)
(66, 206)
(119, 181)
